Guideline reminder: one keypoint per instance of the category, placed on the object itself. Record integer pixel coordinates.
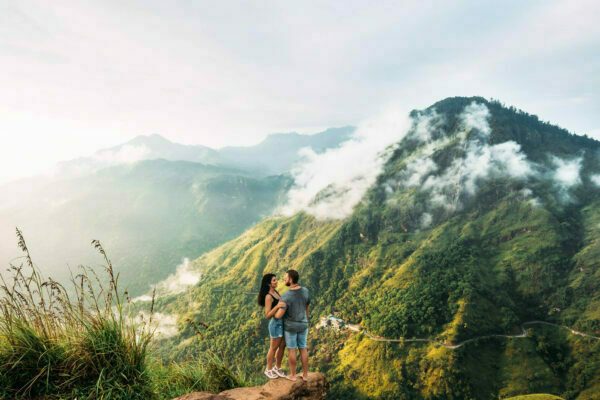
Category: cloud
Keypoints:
(329, 185)
(426, 219)
(479, 161)
(178, 282)
(184, 276)
(419, 169)
(483, 161)
(144, 297)
(164, 325)
(117, 93)
(425, 123)
(527, 194)
(475, 117)
(565, 176)
(126, 154)
(566, 173)
(508, 156)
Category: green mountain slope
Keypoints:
(484, 218)
(225, 299)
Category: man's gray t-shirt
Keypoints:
(295, 319)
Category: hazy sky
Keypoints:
(78, 76)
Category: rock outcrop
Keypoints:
(277, 389)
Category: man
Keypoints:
(295, 322)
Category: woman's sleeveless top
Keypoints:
(275, 300)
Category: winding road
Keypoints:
(523, 334)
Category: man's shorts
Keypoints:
(296, 340)
(275, 328)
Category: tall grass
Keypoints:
(85, 342)
(208, 374)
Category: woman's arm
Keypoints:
(270, 311)
(281, 306)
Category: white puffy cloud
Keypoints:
(475, 116)
(144, 297)
(166, 324)
(424, 125)
(177, 282)
(566, 173)
(329, 185)
(480, 161)
(163, 325)
(565, 176)
(509, 157)
(418, 170)
(426, 219)
(183, 277)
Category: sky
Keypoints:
(79, 76)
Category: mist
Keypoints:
(479, 161)
(183, 277)
(330, 184)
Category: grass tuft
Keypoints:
(85, 343)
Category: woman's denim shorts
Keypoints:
(276, 328)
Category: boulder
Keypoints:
(276, 389)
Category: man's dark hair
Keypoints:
(294, 275)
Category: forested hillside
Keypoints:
(484, 218)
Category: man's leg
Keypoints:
(292, 361)
(292, 345)
(302, 338)
(304, 358)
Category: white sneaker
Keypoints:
(279, 372)
(270, 374)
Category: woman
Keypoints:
(269, 298)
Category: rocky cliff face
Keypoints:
(278, 389)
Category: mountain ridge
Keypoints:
(155, 146)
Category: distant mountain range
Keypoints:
(274, 155)
(278, 152)
(482, 219)
(152, 202)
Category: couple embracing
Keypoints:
(288, 323)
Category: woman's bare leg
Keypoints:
(279, 355)
(273, 346)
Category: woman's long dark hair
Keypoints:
(264, 288)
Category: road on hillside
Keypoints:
(523, 334)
